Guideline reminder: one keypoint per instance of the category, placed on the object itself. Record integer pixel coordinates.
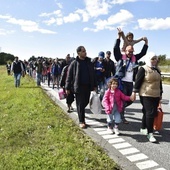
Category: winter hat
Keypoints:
(101, 54)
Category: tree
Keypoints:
(162, 59)
(5, 57)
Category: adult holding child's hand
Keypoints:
(127, 64)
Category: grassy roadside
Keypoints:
(35, 134)
(166, 68)
(166, 80)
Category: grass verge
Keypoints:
(36, 134)
(166, 80)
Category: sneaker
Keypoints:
(144, 131)
(110, 130)
(116, 130)
(156, 132)
(82, 125)
(151, 138)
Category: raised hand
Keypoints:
(146, 40)
(120, 32)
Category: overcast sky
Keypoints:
(54, 28)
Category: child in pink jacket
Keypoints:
(113, 104)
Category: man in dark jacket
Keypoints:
(39, 69)
(127, 73)
(18, 69)
(109, 65)
(81, 80)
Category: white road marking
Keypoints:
(128, 151)
(92, 122)
(99, 129)
(104, 132)
(137, 157)
(110, 136)
(116, 140)
(122, 145)
(146, 164)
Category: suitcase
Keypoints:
(157, 125)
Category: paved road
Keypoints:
(131, 150)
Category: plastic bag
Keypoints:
(95, 103)
(61, 94)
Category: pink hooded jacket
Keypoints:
(109, 98)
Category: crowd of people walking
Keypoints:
(116, 83)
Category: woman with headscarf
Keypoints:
(149, 86)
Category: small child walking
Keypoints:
(113, 104)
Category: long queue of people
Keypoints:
(116, 85)
(40, 69)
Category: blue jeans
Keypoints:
(17, 78)
(115, 115)
(39, 79)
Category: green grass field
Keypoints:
(36, 134)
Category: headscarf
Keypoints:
(148, 59)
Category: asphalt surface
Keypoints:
(130, 150)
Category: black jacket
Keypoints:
(73, 75)
(110, 68)
(63, 76)
(17, 67)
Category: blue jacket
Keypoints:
(54, 69)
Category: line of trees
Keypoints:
(163, 60)
(5, 58)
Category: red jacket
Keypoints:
(110, 98)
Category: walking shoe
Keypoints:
(116, 130)
(69, 111)
(144, 131)
(125, 121)
(110, 130)
(82, 125)
(151, 138)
